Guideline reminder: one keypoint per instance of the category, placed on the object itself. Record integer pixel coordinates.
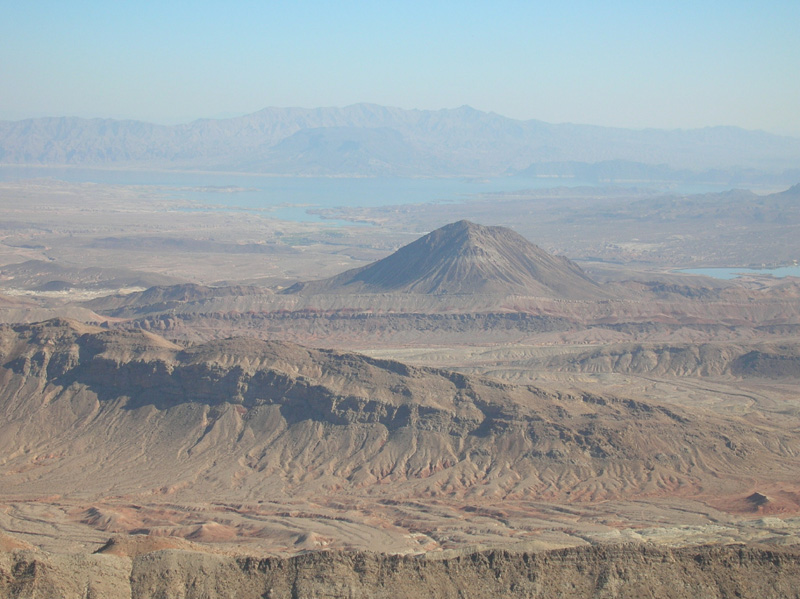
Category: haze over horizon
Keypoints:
(619, 64)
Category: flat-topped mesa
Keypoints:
(464, 258)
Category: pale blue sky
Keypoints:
(629, 64)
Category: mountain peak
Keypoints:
(462, 225)
(464, 258)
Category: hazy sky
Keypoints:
(631, 64)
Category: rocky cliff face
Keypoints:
(621, 572)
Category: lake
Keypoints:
(291, 198)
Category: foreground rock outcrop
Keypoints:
(625, 571)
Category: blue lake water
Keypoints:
(292, 198)
(285, 197)
(734, 272)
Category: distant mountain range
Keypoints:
(371, 140)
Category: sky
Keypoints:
(624, 64)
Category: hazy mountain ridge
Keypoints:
(366, 139)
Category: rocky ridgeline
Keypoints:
(765, 360)
(281, 416)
